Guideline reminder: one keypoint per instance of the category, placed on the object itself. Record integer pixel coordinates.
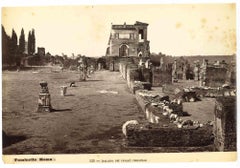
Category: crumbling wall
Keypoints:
(132, 74)
(121, 67)
(225, 124)
(153, 135)
(145, 75)
(112, 63)
(160, 77)
(215, 76)
(116, 65)
(233, 78)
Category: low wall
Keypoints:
(153, 135)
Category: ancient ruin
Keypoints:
(167, 124)
(130, 100)
(44, 100)
(128, 40)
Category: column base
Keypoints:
(41, 109)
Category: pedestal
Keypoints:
(63, 90)
(44, 102)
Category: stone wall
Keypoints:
(225, 124)
(215, 77)
(132, 74)
(159, 77)
(131, 43)
(159, 131)
(153, 135)
(145, 75)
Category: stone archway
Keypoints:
(123, 50)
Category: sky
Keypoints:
(174, 29)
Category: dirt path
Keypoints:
(89, 120)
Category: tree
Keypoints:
(22, 42)
(5, 47)
(33, 41)
(29, 42)
(13, 47)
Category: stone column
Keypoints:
(184, 71)
(230, 74)
(44, 101)
(196, 71)
(99, 66)
(174, 72)
(161, 63)
(202, 74)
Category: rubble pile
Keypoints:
(165, 122)
(213, 92)
(187, 95)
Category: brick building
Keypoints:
(128, 40)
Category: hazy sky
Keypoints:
(194, 29)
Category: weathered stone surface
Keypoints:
(132, 75)
(44, 100)
(128, 40)
(160, 77)
(146, 75)
(146, 135)
(215, 76)
(225, 124)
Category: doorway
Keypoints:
(123, 50)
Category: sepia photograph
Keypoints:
(119, 83)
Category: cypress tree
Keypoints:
(33, 41)
(5, 47)
(13, 47)
(29, 43)
(22, 42)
